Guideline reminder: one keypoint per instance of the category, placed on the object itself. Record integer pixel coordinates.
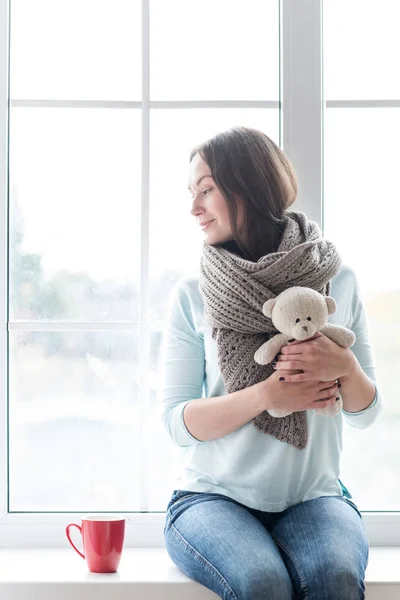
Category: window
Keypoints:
(104, 102)
(100, 132)
(361, 212)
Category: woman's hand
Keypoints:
(319, 359)
(295, 397)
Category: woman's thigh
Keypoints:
(223, 546)
(325, 548)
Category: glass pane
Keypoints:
(176, 241)
(74, 419)
(75, 49)
(361, 49)
(75, 214)
(214, 50)
(361, 215)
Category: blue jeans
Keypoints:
(315, 550)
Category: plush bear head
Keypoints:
(299, 312)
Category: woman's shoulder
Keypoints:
(346, 292)
(345, 282)
(187, 287)
(185, 302)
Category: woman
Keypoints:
(259, 510)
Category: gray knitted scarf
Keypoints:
(234, 291)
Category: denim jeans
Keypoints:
(315, 550)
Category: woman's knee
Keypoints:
(262, 581)
(223, 546)
(338, 582)
(237, 578)
(265, 582)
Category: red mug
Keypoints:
(103, 538)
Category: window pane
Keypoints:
(361, 215)
(74, 418)
(75, 214)
(212, 50)
(361, 49)
(75, 49)
(175, 244)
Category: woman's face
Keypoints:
(209, 206)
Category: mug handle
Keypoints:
(69, 537)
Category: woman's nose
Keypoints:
(196, 208)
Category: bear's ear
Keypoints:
(268, 306)
(331, 304)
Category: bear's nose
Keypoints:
(305, 328)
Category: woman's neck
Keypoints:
(232, 246)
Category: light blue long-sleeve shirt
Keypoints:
(249, 466)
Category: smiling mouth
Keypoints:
(207, 224)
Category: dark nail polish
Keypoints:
(273, 364)
(292, 340)
(281, 379)
(276, 357)
(339, 385)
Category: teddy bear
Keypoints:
(298, 313)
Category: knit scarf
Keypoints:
(234, 290)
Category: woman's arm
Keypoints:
(213, 418)
(322, 359)
(188, 417)
(357, 391)
(361, 400)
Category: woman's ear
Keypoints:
(331, 304)
(268, 306)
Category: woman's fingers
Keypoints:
(327, 385)
(330, 393)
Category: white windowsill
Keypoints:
(144, 574)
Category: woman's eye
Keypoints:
(205, 192)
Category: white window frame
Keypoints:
(301, 139)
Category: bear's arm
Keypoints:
(340, 335)
(266, 353)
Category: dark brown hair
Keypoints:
(248, 166)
